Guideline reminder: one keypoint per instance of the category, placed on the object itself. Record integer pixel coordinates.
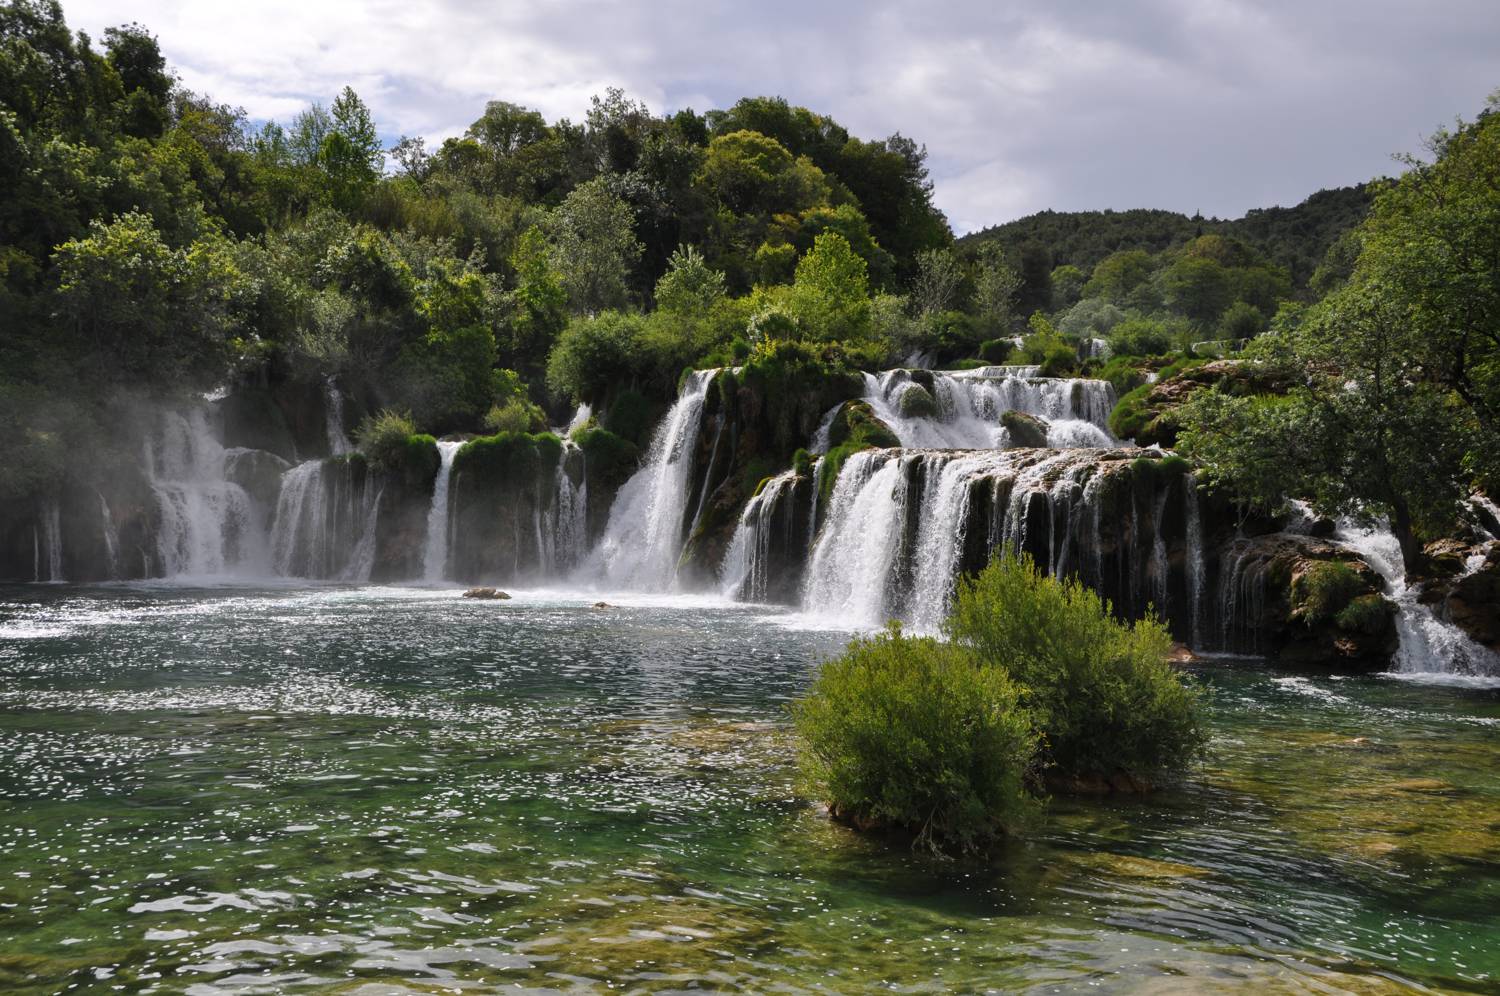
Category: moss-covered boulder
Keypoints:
(1023, 430)
(917, 402)
(1306, 602)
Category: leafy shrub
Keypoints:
(390, 441)
(912, 734)
(1141, 337)
(515, 415)
(1101, 691)
(1324, 590)
(1364, 614)
(595, 354)
(610, 458)
(996, 351)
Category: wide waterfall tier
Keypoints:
(902, 525)
(966, 409)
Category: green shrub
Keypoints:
(802, 462)
(913, 734)
(1059, 361)
(383, 438)
(996, 351)
(1324, 590)
(1364, 614)
(515, 415)
(507, 458)
(1101, 692)
(630, 417)
(609, 459)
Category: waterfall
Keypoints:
(643, 539)
(1195, 568)
(580, 419)
(325, 522)
(333, 402)
(46, 545)
(854, 554)
(571, 523)
(971, 402)
(1429, 644)
(207, 523)
(1241, 598)
(822, 438)
(435, 559)
(746, 568)
(111, 538)
(362, 559)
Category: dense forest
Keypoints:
(154, 242)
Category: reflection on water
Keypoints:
(382, 790)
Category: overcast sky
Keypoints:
(1211, 105)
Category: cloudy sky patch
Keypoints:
(1211, 105)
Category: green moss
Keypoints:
(1023, 429)
(608, 457)
(1325, 590)
(917, 402)
(507, 458)
(1131, 414)
(802, 462)
(1364, 614)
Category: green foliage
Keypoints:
(830, 297)
(1131, 414)
(1101, 691)
(912, 734)
(1368, 614)
(1324, 590)
(996, 351)
(1142, 337)
(515, 415)
(630, 415)
(610, 458)
(594, 355)
(594, 247)
(384, 436)
(506, 458)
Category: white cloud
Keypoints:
(1218, 105)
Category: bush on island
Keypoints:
(1102, 692)
(911, 734)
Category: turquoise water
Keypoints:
(386, 791)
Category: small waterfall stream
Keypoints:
(435, 556)
(333, 404)
(1429, 644)
(111, 537)
(643, 540)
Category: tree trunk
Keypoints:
(1411, 551)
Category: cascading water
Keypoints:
(435, 556)
(326, 516)
(207, 524)
(643, 540)
(333, 402)
(571, 524)
(744, 573)
(111, 538)
(851, 563)
(970, 405)
(1429, 644)
(1196, 572)
(46, 545)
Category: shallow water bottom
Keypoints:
(389, 791)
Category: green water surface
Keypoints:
(384, 791)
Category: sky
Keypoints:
(1216, 106)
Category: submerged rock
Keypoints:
(494, 594)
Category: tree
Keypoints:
(936, 284)
(995, 285)
(690, 287)
(539, 302)
(136, 56)
(350, 154)
(830, 296)
(593, 246)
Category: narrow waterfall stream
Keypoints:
(643, 540)
(435, 556)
